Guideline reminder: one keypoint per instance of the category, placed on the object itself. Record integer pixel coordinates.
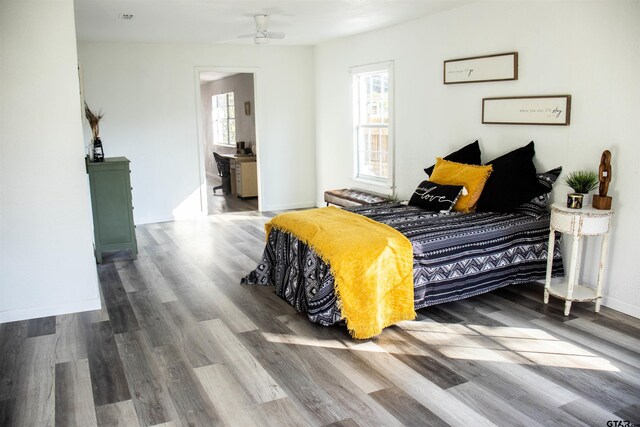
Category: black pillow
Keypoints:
(537, 206)
(547, 179)
(469, 154)
(435, 197)
(512, 182)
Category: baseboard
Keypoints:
(622, 306)
(302, 205)
(37, 312)
(170, 218)
(154, 219)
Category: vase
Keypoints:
(575, 200)
(98, 153)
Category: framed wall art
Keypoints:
(488, 68)
(554, 110)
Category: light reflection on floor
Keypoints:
(503, 344)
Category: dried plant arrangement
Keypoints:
(93, 120)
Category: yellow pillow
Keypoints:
(471, 176)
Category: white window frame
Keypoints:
(229, 143)
(356, 72)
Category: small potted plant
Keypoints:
(582, 182)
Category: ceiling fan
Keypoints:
(262, 36)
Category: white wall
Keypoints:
(46, 253)
(586, 49)
(147, 93)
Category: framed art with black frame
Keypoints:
(551, 110)
(487, 68)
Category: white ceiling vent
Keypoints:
(126, 16)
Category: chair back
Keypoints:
(223, 164)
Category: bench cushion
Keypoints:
(351, 197)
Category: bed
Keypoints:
(470, 228)
(455, 256)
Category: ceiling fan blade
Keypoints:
(247, 36)
(276, 35)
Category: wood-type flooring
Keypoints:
(179, 342)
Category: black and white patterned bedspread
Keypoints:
(455, 256)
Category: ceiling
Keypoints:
(305, 22)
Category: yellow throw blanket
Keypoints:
(372, 264)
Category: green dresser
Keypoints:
(113, 226)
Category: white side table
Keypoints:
(579, 223)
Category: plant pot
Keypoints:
(575, 200)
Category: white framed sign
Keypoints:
(488, 68)
(552, 110)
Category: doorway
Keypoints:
(227, 127)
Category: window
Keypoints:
(223, 116)
(372, 112)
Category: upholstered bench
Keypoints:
(351, 197)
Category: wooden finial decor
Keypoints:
(602, 201)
